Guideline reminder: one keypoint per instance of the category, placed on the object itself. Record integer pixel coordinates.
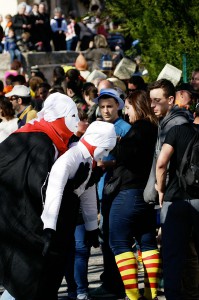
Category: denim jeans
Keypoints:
(71, 44)
(132, 218)
(180, 223)
(15, 54)
(82, 254)
(110, 277)
(78, 282)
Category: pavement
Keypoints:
(94, 270)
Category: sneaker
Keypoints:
(101, 292)
(83, 297)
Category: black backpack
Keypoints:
(189, 169)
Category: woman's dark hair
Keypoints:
(86, 86)
(44, 85)
(141, 105)
(72, 75)
(92, 92)
(39, 74)
(20, 79)
(138, 81)
(82, 114)
(56, 88)
(7, 110)
(58, 75)
(76, 87)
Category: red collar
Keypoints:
(57, 131)
(90, 148)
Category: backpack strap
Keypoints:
(185, 160)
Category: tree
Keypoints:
(167, 29)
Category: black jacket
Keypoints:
(176, 116)
(134, 154)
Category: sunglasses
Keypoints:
(13, 98)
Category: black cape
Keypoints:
(25, 161)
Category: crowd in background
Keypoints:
(32, 29)
(109, 91)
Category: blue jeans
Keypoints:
(110, 277)
(15, 54)
(82, 254)
(132, 218)
(180, 224)
(71, 44)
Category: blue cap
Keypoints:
(113, 94)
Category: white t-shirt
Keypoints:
(7, 127)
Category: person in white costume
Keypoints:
(98, 140)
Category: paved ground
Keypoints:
(95, 269)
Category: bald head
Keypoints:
(105, 84)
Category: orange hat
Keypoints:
(81, 63)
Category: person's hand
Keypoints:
(82, 126)
(91, 44)
(161, 198)
(104, 164)
(160, 194)
(92, 238)
(47, 237)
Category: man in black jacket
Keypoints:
(162, 94)
(179, 215)
(21, 22)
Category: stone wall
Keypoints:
(45, 61)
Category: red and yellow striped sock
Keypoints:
(152, 264)
(127, 265)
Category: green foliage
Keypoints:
(166, 29)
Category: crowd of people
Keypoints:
(39, 122)
(32, 29)
(82, 157)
